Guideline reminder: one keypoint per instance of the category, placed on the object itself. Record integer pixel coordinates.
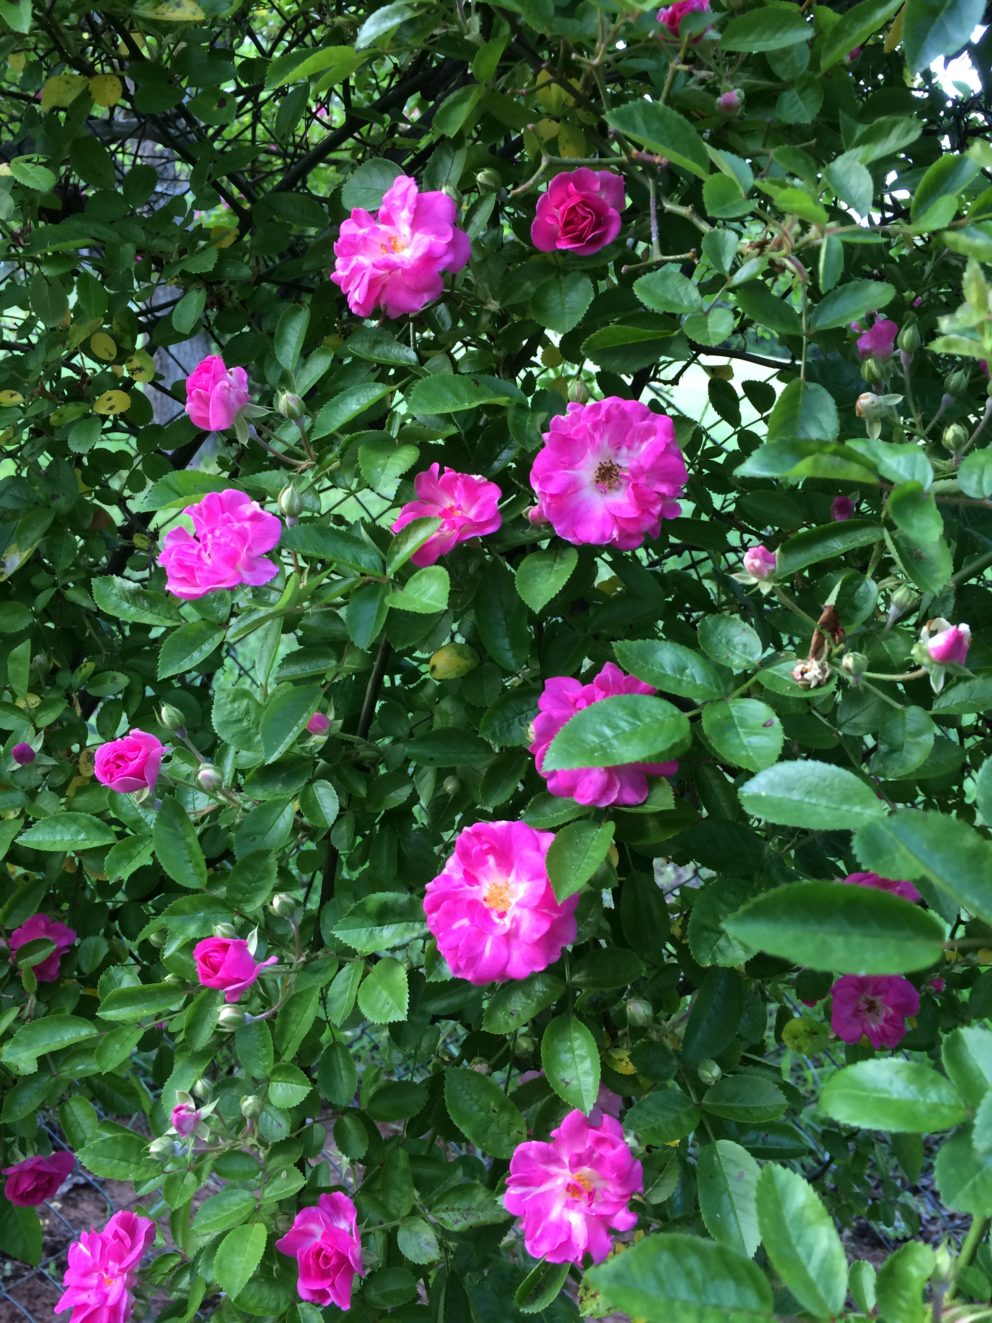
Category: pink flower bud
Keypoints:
(185, 1119)
(23, 754)
(319, 724)
(950, 646)
(730, 103)
(760, 563)
(841, 508)
(880, 341)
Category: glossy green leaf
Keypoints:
(645, 729)
(890, 1094)
(727, 1181)
(575, 854)
(800, 1239)
(571, 1061)
(483, 1113)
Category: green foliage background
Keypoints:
(180, 169)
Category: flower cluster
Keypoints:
(102, 1269)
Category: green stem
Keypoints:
(976, 1232)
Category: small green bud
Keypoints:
(451, 785)
(209, 779)
(855, 663)
(640, 1013)
(158, 938)
(909, 338)
(251, 1105)
(578, 392)
(230, 1018)
(708, 1071)
(943, 1266)
(488, 180)
(289, 405)
(225, 930)
(955, 437)
(202, 1089)
(282, 905)
(871, 372)
(524, 1046)
(904, 599)
(290, 504)
(172, 719)
(956, 382)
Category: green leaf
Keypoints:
(467, 1206)
(51, 1033)
(515, 1004)
(128, 601)
(852, 182)
(408, 541)
(285, 716)
(291, 330)
(675, 1276)
(672, 668)
(542, 575)
(937, 197)
(575, 854)
(541, 1287)
(812, 795)
(335, 63)
(730, 641)
(446, 393)
(221, 1211)
(890, 1094)
(380, 921)
(964, 1176)
(366, 185)
(417, 1241)
(625, 728)
(560, 302)
(967, 1057)
(804, 411)
(662, 130)
(337, 1075)
(744, 732)
(20, 1228)
(63, 832)
(842, 929)
(145, 1001)
(853, 28)
(769, 28)
(120, 1155)
(933, 28)
(177, 847)
(341, 409)
(802, 1242)
(663, 1116)
(848, 303)
(927, 564)
(288, 1086)
(334, 545)
(745, 1098)
(502, 626)
(384, 996)
(765, 308)
(571, 1061)
(186, 647)
(483, 1113)
(238, 1256)
(381, 23)
(668, 290)
(727, 1182)
(424, 593)
(940, 849)
(826, 542)
(901, 1281)
(188, 311)
(448, 747)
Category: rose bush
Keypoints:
(495, 779)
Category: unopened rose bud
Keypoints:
(319, 724)
(480, 1066)
(201, 1089)
(956, 382)
(158, 938)
(225, 930)
(23, 755)
(185, 1118)
(943, 1266)
(578, 392)
(730, 103)
(855, 663)
(708, 1071)
(230, 1018)
(841, 508)
(949, 646)
(290, 504)
(871, 372)
(209, 779)
(251, 1105)
(289, 405)
(524, 1046)
(868, 405)
(955, 437)
(488, 180)
(283, 906)
(640, 1013)
(172, 719)
(909, 338)
(852, 56)
(452, 661)
(760, 563)
(451, 785)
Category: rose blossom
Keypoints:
(215, 394)
(880, 340)
(624, 783)
(607, 473)
(394, 260)
(571, 1191)
(950, 646)
(673, 15)
(328, 1250)
(36, 1179)
(185, 1118)
(23, 755)
(319, 724)
(226, 962)
(760, 563)
(492, 908)
(39, 927)
(872, 1004)
(841, 508)
(130, 763)
(102, 1268)
(893, 885)
(465, 504)
(232, 533)
(579, 212)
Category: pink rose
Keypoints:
(36, 1179)
(492, 908)
(328, 1250)
(216, 395)
(465, 504)
(841, 508)
(950, 646)
(607, 473)
(730, 103)
(624, 783)
(571, 1191)
(880, 340)
(875, 1005)
(232, 533)
(760, 563)
(185, 1119)
(130, 763)
(102, 1269)
(394, 260)
(226, 962)
(319, 724)
(673, 15)
(893, 885)
(23, 754)
(579, 212)
(41, 927)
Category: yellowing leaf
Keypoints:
(61, 90)
(103, 346)
(222, 236)
(140, 366)
(172, 11)
(894, 35)
(10, 397)
(571, 140)
(111, 402)
(16, 60)
(106, 89)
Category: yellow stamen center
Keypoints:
(498, 896)
(579, 1186)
